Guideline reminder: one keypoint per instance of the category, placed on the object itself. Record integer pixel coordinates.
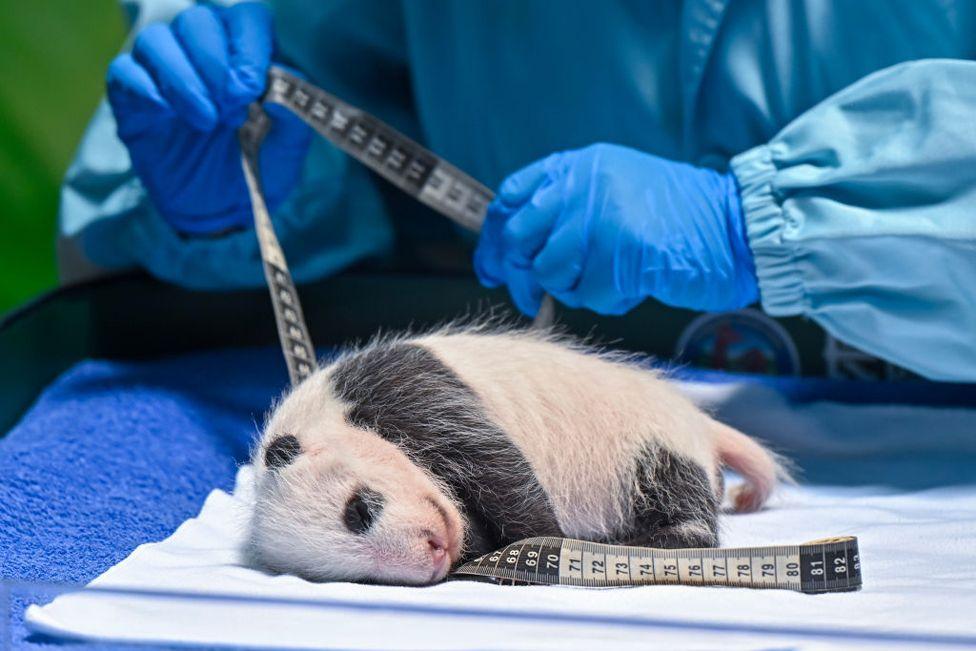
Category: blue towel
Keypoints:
(116, 454)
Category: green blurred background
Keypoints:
(53, 55)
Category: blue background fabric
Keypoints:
(115, 454)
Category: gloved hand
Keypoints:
(606, 226)
(178, 100)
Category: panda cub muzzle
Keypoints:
(339, 503)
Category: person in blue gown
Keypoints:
(815, 156)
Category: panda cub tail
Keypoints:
(761, 468)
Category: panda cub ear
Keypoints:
(282, 451)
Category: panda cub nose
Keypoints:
(361, 510)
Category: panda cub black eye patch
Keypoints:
(361, 510)
(282, 451)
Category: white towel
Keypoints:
(918, 552)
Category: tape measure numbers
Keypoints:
(821, 566)
(829, 565)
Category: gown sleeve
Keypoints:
(861, 214)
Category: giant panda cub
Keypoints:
(403, 458)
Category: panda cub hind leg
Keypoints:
(672, 504)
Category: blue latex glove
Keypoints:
(178, 99)
(606, 226)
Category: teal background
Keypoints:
(53, 55)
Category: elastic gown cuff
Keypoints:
(780, 287)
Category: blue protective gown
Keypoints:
(850, 126)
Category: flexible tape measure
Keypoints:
(296, 343)
(383, 149)
(828, 565)
(820, 566)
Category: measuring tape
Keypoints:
(296, 342)
(821, 566)
(828, 565)
(383, 149)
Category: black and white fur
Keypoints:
(406, 456)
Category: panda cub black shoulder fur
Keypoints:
(402, 458)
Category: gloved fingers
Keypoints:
(288, 131)
(134, 95)
(202, 36)
(520, 186)
(524, 290)
(250, 34)
(493, 269)
(559, 265)
(157, 50)
(599, 287)
(526, 232)
(284, 152)
(488, 254)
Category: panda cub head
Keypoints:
(335, 502)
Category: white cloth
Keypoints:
(917, 548)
